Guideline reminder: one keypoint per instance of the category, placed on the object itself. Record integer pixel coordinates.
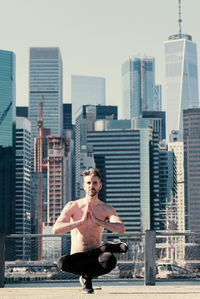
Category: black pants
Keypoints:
(89, 264)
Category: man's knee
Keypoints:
(108, 261)
(60, 262)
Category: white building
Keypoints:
(23, 192)
(178, 149)
(181, 80)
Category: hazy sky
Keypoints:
(95, 36)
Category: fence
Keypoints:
(151, 256)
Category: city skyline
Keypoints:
(94, 37)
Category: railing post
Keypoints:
(2, 260)
(150, 258)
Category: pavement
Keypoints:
(104, 292)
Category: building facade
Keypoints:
(157, 120)
(138, 82)
(87, 90)
(168, 188)
(85, 121)
(7, 98)
(192, 168)
(22, 111)
(56, 168)
(67, 116)
(123, 157)
(178, 149)
(23, 187)
(45, 79)
(181, 80)
(7, 145)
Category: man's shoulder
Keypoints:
(106, 205)
(74, 202)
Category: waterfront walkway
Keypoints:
(104, 292)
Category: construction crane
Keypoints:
(40, 174)
(3, 115)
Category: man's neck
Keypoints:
(92, 199)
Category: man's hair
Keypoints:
(92, 172)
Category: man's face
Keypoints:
(92, 185)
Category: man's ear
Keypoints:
(100, 187)
(84, 186)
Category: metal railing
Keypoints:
(151, 256)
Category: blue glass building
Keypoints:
(7, 144)
(138, 82)
(87, 90)
(7, 98)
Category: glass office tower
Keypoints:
(7, 98)
(46, 80)
(138, 82)
(87, 90)
(181, 80)
(7, 144)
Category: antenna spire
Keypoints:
(179, 20)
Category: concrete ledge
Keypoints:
(106, 292)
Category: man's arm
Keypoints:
(63, 224)
(114, 225)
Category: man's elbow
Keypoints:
(122, 229)
(54, 230)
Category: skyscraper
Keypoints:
(7, 142)
(23, 184)
(7, 98)
(177, 148)
(87, 90)
(138, 82)
(192, 168)
(124, 157)
(157, 121)
(181, 78)
(168, 188)
(85, 121)
(45, 72)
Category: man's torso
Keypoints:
(89, 235)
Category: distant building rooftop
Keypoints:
(180, 36)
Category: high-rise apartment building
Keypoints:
(181, 80)
(192, 168)
(85, 121)
(45, 79)
(87, 90)
(138, 83)
(23, 183)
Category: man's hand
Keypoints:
(92, 215)
(86, 214)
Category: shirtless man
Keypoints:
(86, 218)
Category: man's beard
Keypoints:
(93, 192)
